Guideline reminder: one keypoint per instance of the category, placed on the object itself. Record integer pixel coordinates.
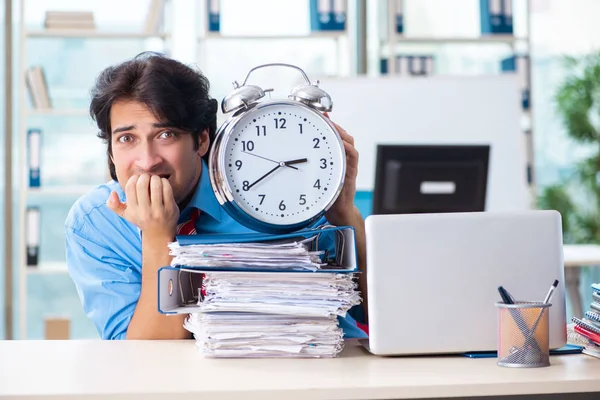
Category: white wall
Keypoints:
(437, 110)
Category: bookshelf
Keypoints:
(273, 43)
(63, 121)
(393, 40)
(91, 34)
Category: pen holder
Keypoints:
(523, 334)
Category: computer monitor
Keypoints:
(430, 178)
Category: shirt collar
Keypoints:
(204, 198)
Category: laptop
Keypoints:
(432, 279)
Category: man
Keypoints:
(158, 121)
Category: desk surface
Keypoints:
(577, 255)
(175, 369)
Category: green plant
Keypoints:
(577, 196)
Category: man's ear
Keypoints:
(204, 142)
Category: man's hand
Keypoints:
(150, 205)
(343, 212)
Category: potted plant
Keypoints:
(577, 195)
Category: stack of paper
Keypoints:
(272, 314)
(288, 254)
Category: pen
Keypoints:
(546, 301)
(506, 298)
(551, 292)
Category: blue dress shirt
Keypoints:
(104, 255)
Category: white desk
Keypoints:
(175, 370)
(575, 256)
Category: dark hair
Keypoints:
(174, 93)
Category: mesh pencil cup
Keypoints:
(523, 334)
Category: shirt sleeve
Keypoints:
(107, 286)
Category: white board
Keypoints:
(438, 110)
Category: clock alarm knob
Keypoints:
(313, 96)
(243, 97)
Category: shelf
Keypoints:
(92, 34)
(53, 267)
(322, 34)
(59, 112)
(508, 39)
(70, 190)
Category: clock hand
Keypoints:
(264, 176)
(268, 159)
(297, 161)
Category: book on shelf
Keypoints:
(399, 17)
(496, 16)
(37, 87)
(409, 65)
(34, 142)
(69, 20)
(214, 15)
(32, 243)
(328, 15)
(520, 65)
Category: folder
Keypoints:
(176, 290)
(214, 15)
(520, 65)
(34, 139)
(399, 17)
(507, 17)
(328, 15)
(496, 16)
(32, 242)
(339, 15)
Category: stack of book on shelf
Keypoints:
(586, 331)
(264, 296)
(69, 20)
(35, 80)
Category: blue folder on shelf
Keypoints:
(175, 288)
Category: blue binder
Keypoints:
(325, 16)
(175, 282)
(399, 17)
(214, 15)
(496, 17)
(518, 64)
(34, 147)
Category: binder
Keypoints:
(175, 283)
(399, 17)
(339, 15)
(34, 138)
(383, 66)
(214, 15)
(496, 16)
(520, 65)
(328, 15)
(507, 17)
(403, 65)
(32, 243)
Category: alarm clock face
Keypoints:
(283, 163)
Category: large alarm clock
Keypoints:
(276, 165)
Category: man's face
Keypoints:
(143, 144)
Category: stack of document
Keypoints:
(288, 254)
(272, 314)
